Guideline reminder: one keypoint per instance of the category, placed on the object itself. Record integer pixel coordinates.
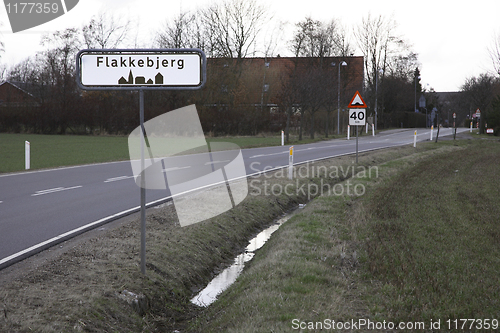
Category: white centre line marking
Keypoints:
(117, 178)
(53, 190)
(216, 162)
(176, 168)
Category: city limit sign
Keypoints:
(135, 69)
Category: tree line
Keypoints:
(230, 30)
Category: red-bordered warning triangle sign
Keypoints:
(357, 102)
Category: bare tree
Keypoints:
(232, 27)
(312, 38)
(375, 37)
(343, 46)
(184, 31)
(272, 38)
(59, 66)
(315, 38)
(494, 51)
(105, 32)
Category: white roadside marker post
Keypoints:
(432, 130)
(290, 164)
(373, 130)
(415, 139)
(348, 131)
(282, 138)
(27, 153)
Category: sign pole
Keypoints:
(357, 127)
(454, 125)
(157, 69)
(357, 116)
(143, 185)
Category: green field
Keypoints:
(50, 151)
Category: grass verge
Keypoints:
(434, 237)
(420, 246)
(50, 151)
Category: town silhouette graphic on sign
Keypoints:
(141, 79)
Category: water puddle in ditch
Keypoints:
(227, 277)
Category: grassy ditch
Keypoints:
(421, 246)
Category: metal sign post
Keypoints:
(357, 115)
(357, 144)
(141, 69)
(143, 184)
(454, 127)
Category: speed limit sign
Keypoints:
(357, 117)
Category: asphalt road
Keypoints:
(41, 208)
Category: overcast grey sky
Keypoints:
(451, 38)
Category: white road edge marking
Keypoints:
(74, 232)
(53, 190)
